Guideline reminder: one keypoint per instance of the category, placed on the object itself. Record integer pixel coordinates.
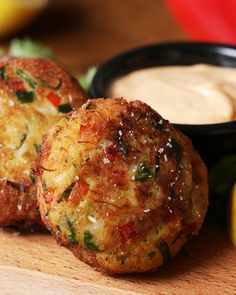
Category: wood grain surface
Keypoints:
(34, 264)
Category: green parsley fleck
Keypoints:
(32, 177)
(165, 251)
(66, 193)
(65, 108)
(143, 173)
(151, 254)
(123, 147)
(37, 148)
(190, 254)
(26, 78)
(3, 75)
(121, 259)
(88, 241)
(25, 96)
(139, 116)
(22, 139)
(71, 235)
(176, 148)
(157, 124)
(120, 142)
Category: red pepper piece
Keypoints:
(82, 187)
(80, 191)
(53, 98)
(16, 85)
(127, 230)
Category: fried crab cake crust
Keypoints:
(120, 187)
(34, 93)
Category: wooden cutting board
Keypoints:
(33, 264)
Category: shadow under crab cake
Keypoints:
(122, 189)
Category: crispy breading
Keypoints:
(120, 187)
(34, 93)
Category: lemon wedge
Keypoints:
(232, 216)
(16, 14)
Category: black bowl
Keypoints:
(213, 141)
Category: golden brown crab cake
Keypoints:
(34, 93)
(120, 187)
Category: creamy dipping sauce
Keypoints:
(198, 94)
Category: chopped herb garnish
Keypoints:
(88, 241)
(22, 139)
(44, 185)
(143, 173)
(43, 83)
(139, 116)
(66, 193)
(65, 108)
(121, 144)
(25, 96)
(37, 147)
(190, 254)
(151, 254)
(176, 148)
(32, 177)
(165, 251)
(3, 75)
(71, 235)
(121, 259)
(157, 124)
(123, 147)
(26, 78)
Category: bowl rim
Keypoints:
(223, 127)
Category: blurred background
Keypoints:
(84, 33)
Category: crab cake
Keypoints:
(34, 93)
(120, 187)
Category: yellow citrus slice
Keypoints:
(16, 14)
(232, 216)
